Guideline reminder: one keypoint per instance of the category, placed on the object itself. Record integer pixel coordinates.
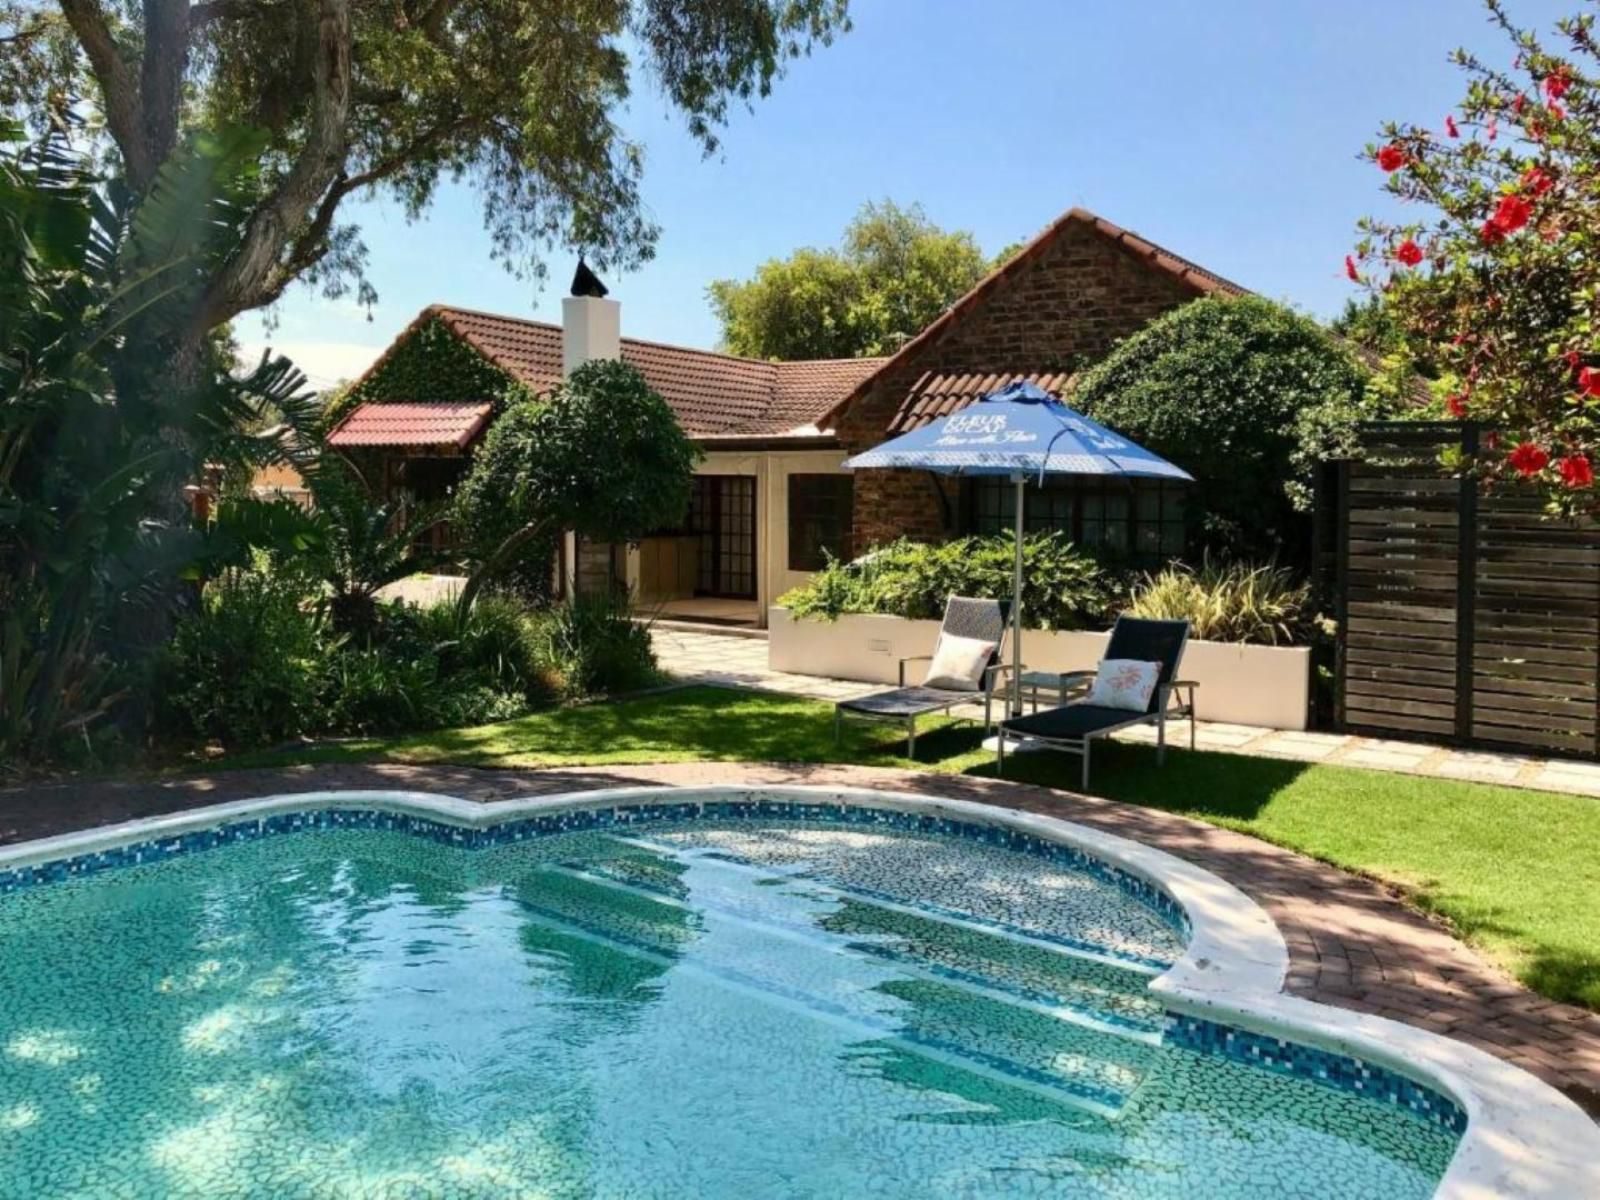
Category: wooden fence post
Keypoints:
(1466, 580)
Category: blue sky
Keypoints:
(1226, 131)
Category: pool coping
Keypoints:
(1524, 1139)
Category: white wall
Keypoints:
(1244, 685)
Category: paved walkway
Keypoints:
(1351, 944)
(742, 661)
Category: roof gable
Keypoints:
(1180, 270)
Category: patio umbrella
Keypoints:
(1018, 431)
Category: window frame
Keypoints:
(809, 554)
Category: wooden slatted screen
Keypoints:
(1462, 616)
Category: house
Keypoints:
(770, 501)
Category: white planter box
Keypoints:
(1241, 685)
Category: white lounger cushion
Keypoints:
(958, 663)
(1124, 683)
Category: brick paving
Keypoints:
(741, 661)
(1351, 944)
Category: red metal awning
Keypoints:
(411, 425)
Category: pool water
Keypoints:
(700, 1010)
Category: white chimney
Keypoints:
(591, 328)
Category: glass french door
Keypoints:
(722, 514)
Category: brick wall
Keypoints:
(1066, 308)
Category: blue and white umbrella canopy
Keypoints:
(1018, 431)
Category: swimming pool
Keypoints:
(749, 996)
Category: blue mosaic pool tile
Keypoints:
(758, 808)
(1325, 1067)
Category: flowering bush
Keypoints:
(1499, 286)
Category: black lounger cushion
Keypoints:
(1071, 721)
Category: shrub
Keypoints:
(1261, 604)
(602, 455)
(592, 646)
(1062, 587)
(424, 671)
(1247, 396)
(367, 690)
(245, 669)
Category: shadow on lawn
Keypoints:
(1200, 783)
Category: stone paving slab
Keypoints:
(709, 657)
(1351, 943)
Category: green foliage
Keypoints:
(1062, 587)
(1246, 396)
(1261, 604)
(895, 273)
(592, 646)
(602, 455)
(428, 363)
(518, 98)
(260, 663)
(96, 442)
(1503, 295)
(359, 544)
(246, 669)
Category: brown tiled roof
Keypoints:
(714, 395)
(935, 395)
(1202, 281)
(411, 425)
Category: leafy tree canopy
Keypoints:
(894, 273)
(519, 97)
(1245, 395)
(1497, 281)
(602, 455)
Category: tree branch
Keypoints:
(309, 245)
(120, 98)
(252, 272)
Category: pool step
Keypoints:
(953, 1027)
(677, 856)
(1081, 986)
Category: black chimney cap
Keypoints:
(585, 282)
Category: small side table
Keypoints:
(1061, 682)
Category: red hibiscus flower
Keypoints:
(1589, 381)
(1527, 459)
(1391, 157)
(1556, 85)
(1450, 126)
(1409, 253)
(1537, 180)
(1518, 104)
(1492, 233)
(1576, 471)
(1512, 213)
(1457, 405)
(1353, 275)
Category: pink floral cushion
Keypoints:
(1124, 683)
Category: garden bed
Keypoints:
(1240, 684)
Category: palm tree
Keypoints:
(94, 537)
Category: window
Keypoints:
(1140, 519)
(819, 520)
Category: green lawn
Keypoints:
(1517, 872)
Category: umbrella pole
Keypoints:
(1016, 613)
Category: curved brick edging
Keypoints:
(1521, 1139)
(1351, 944)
